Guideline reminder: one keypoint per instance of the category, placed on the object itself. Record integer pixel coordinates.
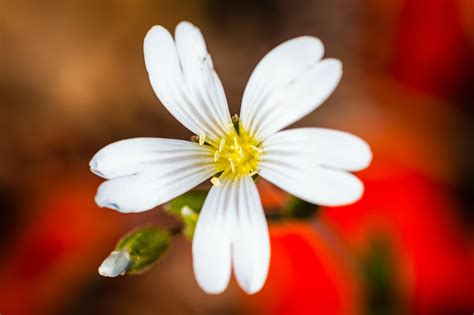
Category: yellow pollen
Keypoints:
(236, 154)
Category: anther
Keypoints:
(216, 156)
(221, 145)
(202, 138)
(236, 144)
(256, 148)
(232, 166)
(215, 181)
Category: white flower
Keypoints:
(311, 163)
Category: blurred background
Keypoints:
(72, 79)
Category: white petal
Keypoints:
(146, 172)
(211, 241)
(289, 82)
(204, 84)
(325, 147)
(184, 79)
(250, 241)
(302, 178)
(132, 156)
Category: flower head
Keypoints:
(313, 164)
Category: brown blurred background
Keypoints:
(72, 79)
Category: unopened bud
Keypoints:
(136, 252)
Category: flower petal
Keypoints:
(146, 172)
(141, 192)
(132, 156)
(326, 147)
(250, 241)
(204, 84)
(211, 241)
(184, 79)
(287, 84)
(316, 184)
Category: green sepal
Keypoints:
(144, 245)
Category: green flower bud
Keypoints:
(136, 252)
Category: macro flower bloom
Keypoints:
(313, 164)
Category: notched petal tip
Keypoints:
(311, 43)
(103, 202)
(347, 198)
(251, 288)
(154, 30)
(253, 285)
(94, 167)
(369, 155)
(212, 291)
(334, 69)
(208, 280)
(186, 24)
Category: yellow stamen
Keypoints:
(232, 166)
(216, 156)
(236, 144)
(256, 148)
(215, 181)
(236, 154)
(202, 139)
(221, 145)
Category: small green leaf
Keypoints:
(144, 245)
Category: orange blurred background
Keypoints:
(72, 79)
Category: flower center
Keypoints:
(236, 154)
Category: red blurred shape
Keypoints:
(307, 275)
(432, 52)
(417, 214)
(56, 249)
